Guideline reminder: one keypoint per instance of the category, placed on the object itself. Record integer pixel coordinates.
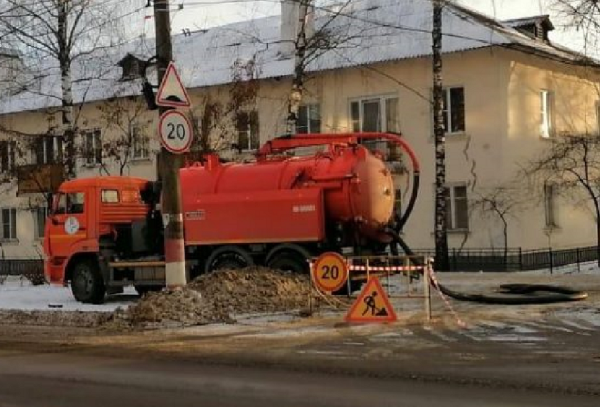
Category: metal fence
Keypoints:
(27, 267)
(515, 259)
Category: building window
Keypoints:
(7, 155)
(454, 110)
(547, 113)
(40, 214)
(8, 219)
(247, 131)
(92, 147)
(377, 114)
(457, 207)
(550, 205)
(48, 150)
(139, 148)
(309, 119)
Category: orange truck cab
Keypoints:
(89, 217)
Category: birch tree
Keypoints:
(53, 36)
(441, 227)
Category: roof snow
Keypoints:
(364, 32)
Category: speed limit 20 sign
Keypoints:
(330, 272)
(175, 131)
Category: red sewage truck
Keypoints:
(105, 233)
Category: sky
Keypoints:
(198, 14)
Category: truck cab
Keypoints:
(92, 221)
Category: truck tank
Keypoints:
(356, 187)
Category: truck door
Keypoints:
(68, 223)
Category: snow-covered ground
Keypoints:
(18, 293)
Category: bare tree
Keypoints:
(312, 40)
(128, 123)
(572, 164)
(502, 202)
(53, 36)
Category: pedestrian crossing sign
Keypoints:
(372, 305)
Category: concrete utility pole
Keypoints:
(169, 164)
(441, 227)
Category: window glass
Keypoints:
(391, 115)
(457, 110)
(71, 203)
(110, 196)
(302, 125)
(314, 111)
(8, 220)
(547, 113)
(41, 213)
(371, 116)
(550, 205)
(355, 116)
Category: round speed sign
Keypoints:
(175, 131)
(330, 272)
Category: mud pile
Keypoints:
(219, 297)
(254, 289)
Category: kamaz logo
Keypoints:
(304, 208)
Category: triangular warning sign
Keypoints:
(171, 92)
(372, 305)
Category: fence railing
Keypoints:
(12, 267)
(514, 259)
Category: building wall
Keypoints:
(502, 111)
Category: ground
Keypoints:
(518, 355)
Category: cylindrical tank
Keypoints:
(356, 184)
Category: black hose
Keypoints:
(523, 294)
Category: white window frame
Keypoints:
(136, 135)
(308, 108)
(383, 119)
(90, 159)
(449, 109)
(453, 212)
(13, 224)
(547, 113)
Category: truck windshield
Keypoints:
(69, 203)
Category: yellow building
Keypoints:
(509, 91)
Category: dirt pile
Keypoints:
(219, 297)
(54, 318)
(254, 289)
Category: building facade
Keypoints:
(508, 92)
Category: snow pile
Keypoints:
(218, 297)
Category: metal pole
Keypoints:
(426, 291)
(169, 164)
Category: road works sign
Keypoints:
(330, 272)
(372, 305)
(175, 131)
(171, 92)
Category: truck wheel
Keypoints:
(228, 257)
(87, 284)
(287, 260)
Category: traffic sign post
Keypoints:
(330, 272)
(175, 131)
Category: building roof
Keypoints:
(369, 31)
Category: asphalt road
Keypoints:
(67, 380)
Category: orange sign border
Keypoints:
(373, 281)
(315, 267)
